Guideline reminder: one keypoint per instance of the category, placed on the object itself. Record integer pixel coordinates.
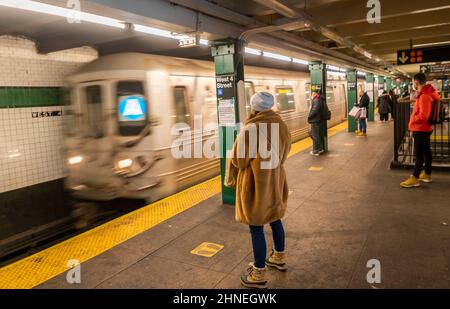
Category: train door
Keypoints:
(182, 118)
(95, 107)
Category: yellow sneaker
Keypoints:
(411, 182)
(361, 134)
(424, 177)
(357, 132)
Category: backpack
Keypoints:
(437, 113)
(326, 112)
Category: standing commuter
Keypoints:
(364, 102)
(383, 106)
(421, 129)
(262, 191)
(393, 102)
(316, 119)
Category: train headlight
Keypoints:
(75, 160)
(124, 164)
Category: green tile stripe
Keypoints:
(16, 97)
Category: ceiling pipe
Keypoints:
(284, 8)
(272, 33)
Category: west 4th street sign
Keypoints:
(423, 55)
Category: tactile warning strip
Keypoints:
(42, 266)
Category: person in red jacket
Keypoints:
(421, 129)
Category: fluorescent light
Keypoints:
(159, 32)
(332, 67)
(336, 73)
(277, 56)
(300, 61)
(253, 51)
(204, 42)
(431, 44)
(368, 55)
(62, 12)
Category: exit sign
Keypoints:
(423, 55)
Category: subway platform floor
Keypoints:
(344, 209)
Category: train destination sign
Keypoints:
(423, 55)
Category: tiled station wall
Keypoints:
(32, 105)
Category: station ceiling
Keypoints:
(334, 29)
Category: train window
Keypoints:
(308, 95)
(132, 108)
(330, 95)
(182, 113)
(94, 112)
(249, 92)
(285, 98)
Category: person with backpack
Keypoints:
(424, 115)
(317, 115)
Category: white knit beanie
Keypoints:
(262, 101)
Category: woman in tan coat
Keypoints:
(259, 153)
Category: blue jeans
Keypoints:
(363, 125)
(259, 242)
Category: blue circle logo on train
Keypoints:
(132, 108)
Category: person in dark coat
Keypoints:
(393, 104)
(316, 119)
(384, 106)
(364, 102)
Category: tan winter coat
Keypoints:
(261, 194)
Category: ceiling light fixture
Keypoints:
(39, 7)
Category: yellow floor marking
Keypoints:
(315, 169)
(207, 249)
(44, 265)
(439, 138)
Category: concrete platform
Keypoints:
(348, 211)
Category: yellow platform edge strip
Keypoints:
(44, 265)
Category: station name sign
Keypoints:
(423, 55)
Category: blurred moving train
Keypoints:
(124, 107)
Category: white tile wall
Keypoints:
(21, 65)
(31, 148)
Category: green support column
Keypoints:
(381, 84)
(352, 97)
(318, 71)
(388, 84)
(370, 84)
(229, 64)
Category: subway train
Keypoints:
(120, 127)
